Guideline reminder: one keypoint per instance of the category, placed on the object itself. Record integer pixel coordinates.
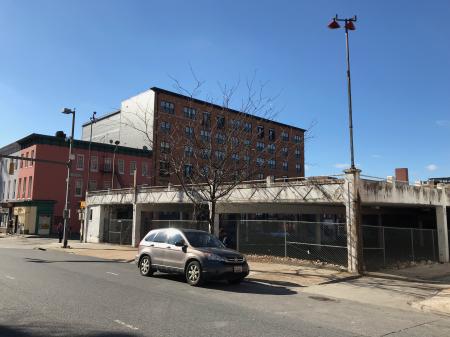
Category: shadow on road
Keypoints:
(248, 286)
(12, 331)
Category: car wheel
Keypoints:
(145, 266)
(194, 274)
(236, 280)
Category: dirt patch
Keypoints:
(294, 262)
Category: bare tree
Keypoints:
(210, 157)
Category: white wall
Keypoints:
(94, 226)
(136, 113)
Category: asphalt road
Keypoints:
(48, 293)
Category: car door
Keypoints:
(174, 256)
(158, 249)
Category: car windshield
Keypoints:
(200, 239)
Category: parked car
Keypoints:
(198, 255)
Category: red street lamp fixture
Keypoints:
(348, 25)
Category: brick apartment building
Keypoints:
(33, 192)
(166, 122)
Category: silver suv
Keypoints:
(198, 255)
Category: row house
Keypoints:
(33, 186)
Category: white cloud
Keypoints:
(431, 167)
(443, 123)
(341, 165)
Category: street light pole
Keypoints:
(113, 162)
(69, 164)
(348, 25)
(93, 120)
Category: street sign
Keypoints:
(82, 204)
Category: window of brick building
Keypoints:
(168, 107)
(260, 131)
(30, 186)
(247, 127)
(187, 170)
(165, 147)
(19, 185)
(78, 188)
(165, 126)
(297, 139)
(24, 187)
(220, 155)
(271, 134)
(121, 166)
(284, 151)
(259, 161)
(80, 162)
(271, 163)
(205, 153)
(189, 112)
(206, 120)
(164, 168)
(259, 146)
(220, 138)
(285, 165)
(189, 131)
(188, 151)
(132, 167)
(205, 135)
(284, 136)
(220, 122)
(271, 148)
(297, 153)
(32, 157)
(297, 168)
(107, 165)
(94, 164)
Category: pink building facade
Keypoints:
(33, 192)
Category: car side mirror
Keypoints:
(180, 243)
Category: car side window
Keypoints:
(151, 237)
(160, 237)
(174, 238)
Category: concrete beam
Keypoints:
(442, 232)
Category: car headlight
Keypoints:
(215, 257)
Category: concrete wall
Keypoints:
(103, 130)
(94, 227)
(379, 192)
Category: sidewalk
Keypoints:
(424, 287)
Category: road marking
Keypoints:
(10, 277)
(109, 272)
(126, 325)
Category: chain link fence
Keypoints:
(119, 231)
(323, 241)
(327, 242)
(386, 246)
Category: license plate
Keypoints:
(238, 269)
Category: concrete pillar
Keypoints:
(353, 221)
(136, 230)
(87, 210)
(442, 226)
(216, 224)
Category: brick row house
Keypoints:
(32, 193)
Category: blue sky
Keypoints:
(93, 54)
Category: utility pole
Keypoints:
(113, 162)
(93, 120)
(69, 164)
